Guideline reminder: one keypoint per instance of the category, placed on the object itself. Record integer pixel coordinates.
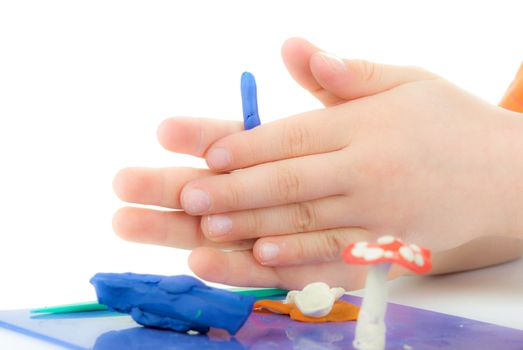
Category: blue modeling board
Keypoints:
(419, 329)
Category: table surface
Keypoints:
(493, 295)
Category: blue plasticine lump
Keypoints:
(180, 303)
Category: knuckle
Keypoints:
(369, 71)
(303, 217)
(287, 184)
(244, 152)
(295, 139)
(254, 222)
(321, 247)
(301, 251)
(333, 245)
(235, 196)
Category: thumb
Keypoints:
(351, 79)
(296, 54)
(333, 80)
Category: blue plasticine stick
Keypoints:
(251, 119)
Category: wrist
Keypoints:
(510, 171)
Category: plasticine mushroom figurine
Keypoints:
(370, 329)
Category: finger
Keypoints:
(194, 135)
(307, 248)
(267, 185)
(242, 269)
(161, 187)
(168, 228)
(296, 54)
(320, 214)
(304, 134)
(232, 268)
(351, 79)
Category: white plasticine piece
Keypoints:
(415, 248)
(418, 260)
(373, 254)
(407, 254)
(337, 292)
(386, 239)
(291, 296)
(315, 300)
(389, 254)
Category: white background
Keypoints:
(84, 84)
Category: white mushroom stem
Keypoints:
(370, 329)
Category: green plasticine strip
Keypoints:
(94, 306)
(64, 309)
(261, 293)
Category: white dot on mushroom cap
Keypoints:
(359, 249)
(386, 239)
(418, 260)
(373, 254)
(362, 244)
(358, 252)
(415, 248)
(407, 253)
(388, 254)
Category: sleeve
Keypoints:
(513, 99)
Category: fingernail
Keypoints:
(218, 225)
(268, 251)
(218, 158)
(333, 62)
(196, 201)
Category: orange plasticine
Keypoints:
(513, 99)
(341, 311)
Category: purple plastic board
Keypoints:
(407, 326)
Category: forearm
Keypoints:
(503, 241)
(510, 184)
(518, 216)
(477, 254)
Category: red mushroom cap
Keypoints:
(389, 249)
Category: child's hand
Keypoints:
(414, 161)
